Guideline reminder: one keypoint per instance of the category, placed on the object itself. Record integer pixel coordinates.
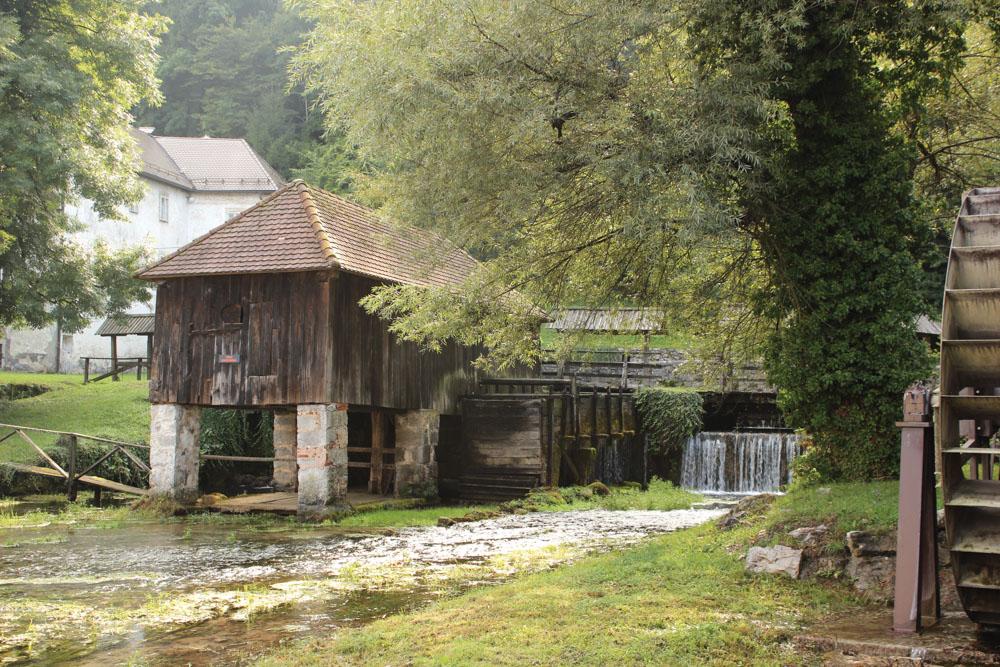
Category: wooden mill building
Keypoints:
(262, 313)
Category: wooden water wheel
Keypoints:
(970, 404)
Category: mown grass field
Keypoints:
(115, 410)
(682, 599)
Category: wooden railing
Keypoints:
(73, 477)
(119, 366)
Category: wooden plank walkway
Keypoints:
(93, 480)
(286, 503)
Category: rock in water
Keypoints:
(776, 559)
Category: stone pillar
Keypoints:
(286, 474)
(321, 449)
(416, 463)
(174, 444)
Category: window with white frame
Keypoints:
(232, 212)
(164, 208)
(133, 207)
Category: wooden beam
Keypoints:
(55, 466)
(114, 358)
(18, 429)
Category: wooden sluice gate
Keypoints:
(521, 433)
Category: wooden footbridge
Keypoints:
(73, 477)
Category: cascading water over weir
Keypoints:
(738, 462)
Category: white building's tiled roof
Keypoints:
(206, 164)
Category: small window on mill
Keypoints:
(232, 314)
(164, 208)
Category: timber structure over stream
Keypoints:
(262, 313)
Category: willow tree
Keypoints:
(739, 165)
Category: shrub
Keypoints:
(669, 416)
(235, 433)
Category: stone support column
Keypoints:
(174, 445)
(416, 462)
(321, 439)
(286, 474)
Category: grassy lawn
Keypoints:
(550, 338)
(116, 410)
(682, 599)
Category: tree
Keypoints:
(70, 70)
(742, 166)
(224, 73)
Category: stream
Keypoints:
(182, 593)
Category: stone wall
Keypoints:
(174, 443)
(416, 464)
(285, 472)
(321, 452)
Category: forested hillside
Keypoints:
(223, 67)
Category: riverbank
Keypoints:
(109, 586)
(684, 598)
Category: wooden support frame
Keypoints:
(71, 477)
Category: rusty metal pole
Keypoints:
(917, 601)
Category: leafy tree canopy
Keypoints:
(70, 70)
(761, 171)
(224, 73)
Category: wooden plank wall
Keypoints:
(274, 323)
(300, 338)
(372, 367)
(504, 436)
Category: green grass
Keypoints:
(868, 506)
(397, 518)
(660, 495)
(683, 599)
(550, 338)
(115, 410)
(47, 379)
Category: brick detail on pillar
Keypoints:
(286, 473)
(416, 461)
(174, 445)
(321, 450)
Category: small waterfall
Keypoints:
(738, 462)
(620, 460)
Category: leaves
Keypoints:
(747, 168)
(670, 416)
(70, 70)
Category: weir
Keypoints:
(738, 462)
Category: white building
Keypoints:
(192, 185)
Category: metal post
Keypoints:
(917, 600)
(138, 368)
(86, 370)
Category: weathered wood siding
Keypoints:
(372, 367)
(504, 436)
(300, 338)
(274, 323)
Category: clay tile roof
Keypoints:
(157, 163)
(220, 164)
(304, 228)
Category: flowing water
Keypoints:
(168, 593)
(738, 462)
